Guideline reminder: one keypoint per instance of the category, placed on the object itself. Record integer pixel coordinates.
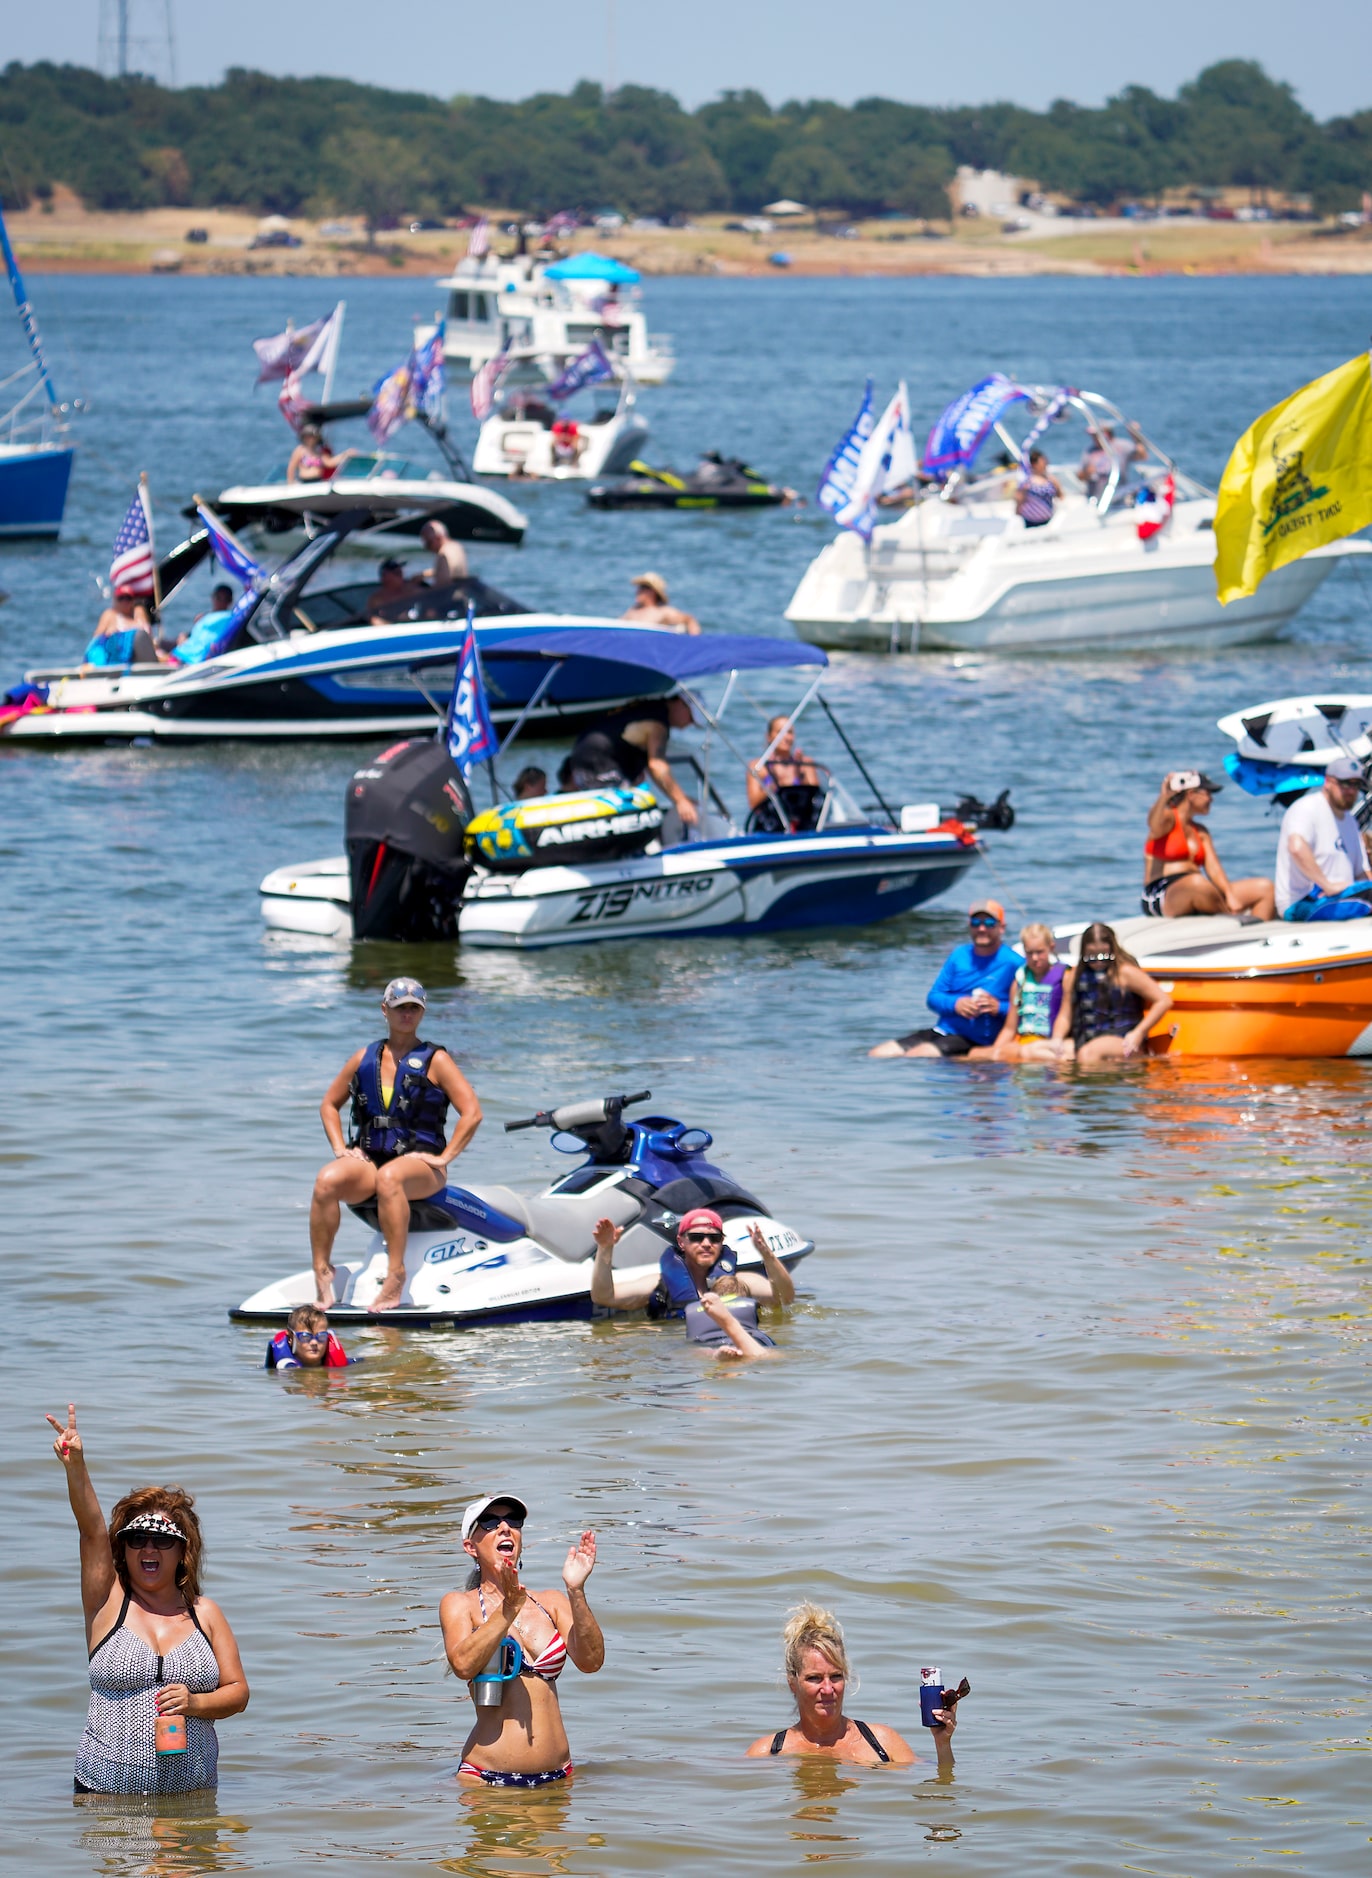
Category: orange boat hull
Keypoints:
(1325, 1010)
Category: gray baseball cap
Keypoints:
(1344, 769)
(404, 991)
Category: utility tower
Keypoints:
(138, 36)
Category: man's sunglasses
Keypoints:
(983, 919)
(164, 1541)
(515, 1521)
(703, 1238)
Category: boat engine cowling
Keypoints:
(564, 830)
(405, 823)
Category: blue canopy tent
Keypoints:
(678, 656)
(591, 266)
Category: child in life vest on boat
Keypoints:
(307, 1343)
(725, 1317)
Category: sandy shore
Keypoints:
(70, 239)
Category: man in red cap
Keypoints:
(971, 994)
(685, 1269)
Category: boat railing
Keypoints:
(41, 425)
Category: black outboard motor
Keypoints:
(998, 814)
(406, 814)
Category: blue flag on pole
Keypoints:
(840, 472)
(471, 734)
(961, 430)
(587, 368)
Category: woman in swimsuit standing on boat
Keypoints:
(1181, 870)
(522, 1743)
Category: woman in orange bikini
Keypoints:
(521, 1742)
(1181, 870)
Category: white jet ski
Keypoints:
(488, 1255)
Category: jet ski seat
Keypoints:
(564, 1225)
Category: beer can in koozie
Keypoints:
(171, 1734)
(930, 1696)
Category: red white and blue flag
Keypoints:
(471, 734)
(131, 569)
(479, 240)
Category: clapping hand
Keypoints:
(580, 1562)
(67, 1446)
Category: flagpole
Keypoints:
(145, 497)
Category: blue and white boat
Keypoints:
(35, 451)
(784, 866)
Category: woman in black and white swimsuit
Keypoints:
(157, 1647)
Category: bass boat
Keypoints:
(610, 862)
(487, 1255)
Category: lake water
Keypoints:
(1074, 1400)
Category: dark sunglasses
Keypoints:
(310, 1336)
(1097, 958)
(983, 919)
(164, 1541)
(704, 1238)
(491, 1521)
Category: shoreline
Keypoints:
(72, 240)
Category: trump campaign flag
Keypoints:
(234, 558)
(836, 484)
(1299, 477)
(886, 461)
(133, 567)
(587, 368)
(471, 734)
(961, 430)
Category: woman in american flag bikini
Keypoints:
(522, 1743)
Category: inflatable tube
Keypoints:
(564, 831)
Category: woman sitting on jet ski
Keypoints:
(783, 780)
(518, 1741)
(400, 1090)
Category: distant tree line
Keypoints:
(291, 146)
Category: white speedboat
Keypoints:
(525, 436)
(607, 863)
(543, 314)
(959, 569)
(488, 1255)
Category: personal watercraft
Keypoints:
(718, 482)
(611, 862)
(488, 1255)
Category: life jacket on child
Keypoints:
(281, 1356)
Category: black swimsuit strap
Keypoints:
(118, 1624)
(779, 1739)
(870, 1739)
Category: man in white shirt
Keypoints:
(1321, 861)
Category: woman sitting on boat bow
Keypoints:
(1181, 870)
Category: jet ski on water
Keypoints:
(718, 482)
(488, 1255)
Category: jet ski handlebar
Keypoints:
(577, 1115)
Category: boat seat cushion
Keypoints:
(564, 1223)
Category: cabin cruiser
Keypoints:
(959, 569)
(313, 659)
(543, 313)
(526, 436)
(279, 515)
(486, 1255)
(1260, 988)
(610, 862)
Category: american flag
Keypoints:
(484, 384)
(132, 566)
(479, 240)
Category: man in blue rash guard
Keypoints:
(971, 994)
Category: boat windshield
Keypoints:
(334, 608)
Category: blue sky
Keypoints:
(970, 52)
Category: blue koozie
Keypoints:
(930, 1696)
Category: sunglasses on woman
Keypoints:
(515, 1521)
(163, 1541)
(1097, 958)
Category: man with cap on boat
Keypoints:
(651, 607)
(400, 1089)
(1322, 870)
(971, 994)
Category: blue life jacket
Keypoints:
(676, 1288)
(112, 649)
(701, 1327)
(414, 1123)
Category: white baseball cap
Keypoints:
(472, 1513)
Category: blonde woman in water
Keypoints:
(817, 1672)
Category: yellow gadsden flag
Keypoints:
(1299, 477)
